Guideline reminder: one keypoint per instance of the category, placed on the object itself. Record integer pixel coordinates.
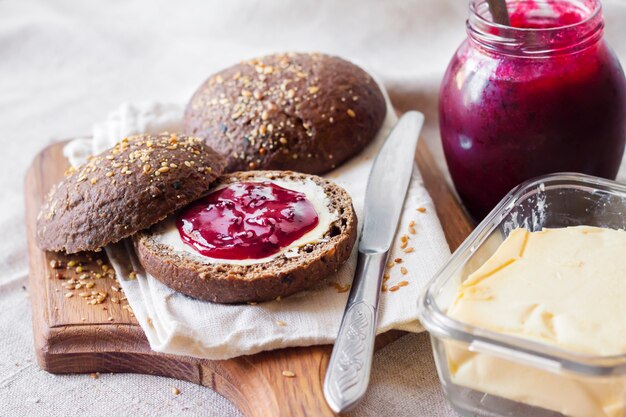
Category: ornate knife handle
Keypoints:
(350, 364)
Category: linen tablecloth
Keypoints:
(64, 65)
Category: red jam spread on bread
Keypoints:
(246, 220)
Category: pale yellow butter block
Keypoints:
(562, 287)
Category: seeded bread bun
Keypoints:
(302, 112)
(130, 187)
(282, 276)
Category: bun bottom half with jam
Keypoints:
(256, 236)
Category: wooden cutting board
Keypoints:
(96, 332)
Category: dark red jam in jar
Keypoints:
(544, 95)
(247, 220)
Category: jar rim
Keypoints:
(537, 41)
(597, 9)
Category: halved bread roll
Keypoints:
(133, 185)
(299, 266)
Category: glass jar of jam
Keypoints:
(543, 95)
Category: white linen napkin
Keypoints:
(177, 324)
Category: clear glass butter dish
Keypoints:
(511, 376)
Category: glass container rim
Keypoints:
(474, 4)
(534, 42)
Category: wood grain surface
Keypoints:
(96, 331)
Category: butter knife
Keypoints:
(350, 363)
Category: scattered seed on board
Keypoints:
(289, 374)
(340, 288)
(403, 270)
(175, 391)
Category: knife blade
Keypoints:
(350, 363)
